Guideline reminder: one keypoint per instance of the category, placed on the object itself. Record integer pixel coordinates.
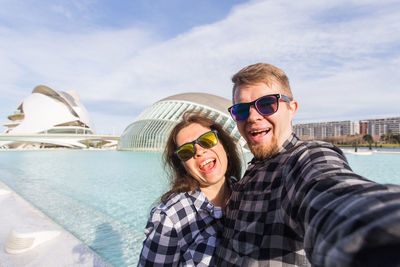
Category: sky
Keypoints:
(342, 57)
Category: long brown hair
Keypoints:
(180, 180)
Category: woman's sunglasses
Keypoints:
(188, 150)
(265, 105)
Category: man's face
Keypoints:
(264, 134)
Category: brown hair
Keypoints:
(180, 180)
(262, 73)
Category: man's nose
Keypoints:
(254, 114)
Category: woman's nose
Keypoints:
(199, 150)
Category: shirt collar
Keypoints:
(289, 143)
(201, 202)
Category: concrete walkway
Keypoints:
(63, 250)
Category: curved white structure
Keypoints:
(149, 132)
(47, 111)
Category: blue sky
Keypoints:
(342, 57)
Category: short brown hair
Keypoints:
(180, 180)
(262, 73)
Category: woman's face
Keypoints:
(207, 166)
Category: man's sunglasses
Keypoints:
(188, 150)
(265, 105)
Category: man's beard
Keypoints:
(262, 151)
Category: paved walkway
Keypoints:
(63, 250)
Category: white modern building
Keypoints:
(150, 131)
(48, 112)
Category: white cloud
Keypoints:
(60, 9)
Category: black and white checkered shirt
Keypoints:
(306, 207)
(182, 232)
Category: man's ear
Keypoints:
(293, 108)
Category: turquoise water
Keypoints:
(104, 197)
(382, 168)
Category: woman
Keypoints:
(202, 160)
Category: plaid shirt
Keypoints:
(305, 206)
(182, 232)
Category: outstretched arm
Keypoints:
(346, 219)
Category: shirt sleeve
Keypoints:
(346, 219)
(161, 246)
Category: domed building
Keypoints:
(47, 111)
(150, 131)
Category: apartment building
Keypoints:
(379, 127)
(375, 127)
(321, 130)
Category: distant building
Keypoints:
(47, 111)
(319, 130)
(364, 127)
(379, 127)
(375, 127)
(149, 132)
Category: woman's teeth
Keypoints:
(204, 163)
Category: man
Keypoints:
(299, 203)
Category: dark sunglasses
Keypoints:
(265, 105)
(188, 150)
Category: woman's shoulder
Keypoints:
(176, 203)
(174, 199)
(165, 217)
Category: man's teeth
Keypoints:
(259, 131)
(206, 162)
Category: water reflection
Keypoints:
(108, 242)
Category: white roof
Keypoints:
(46, 108)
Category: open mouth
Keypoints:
(207, 165)
(260, 132)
